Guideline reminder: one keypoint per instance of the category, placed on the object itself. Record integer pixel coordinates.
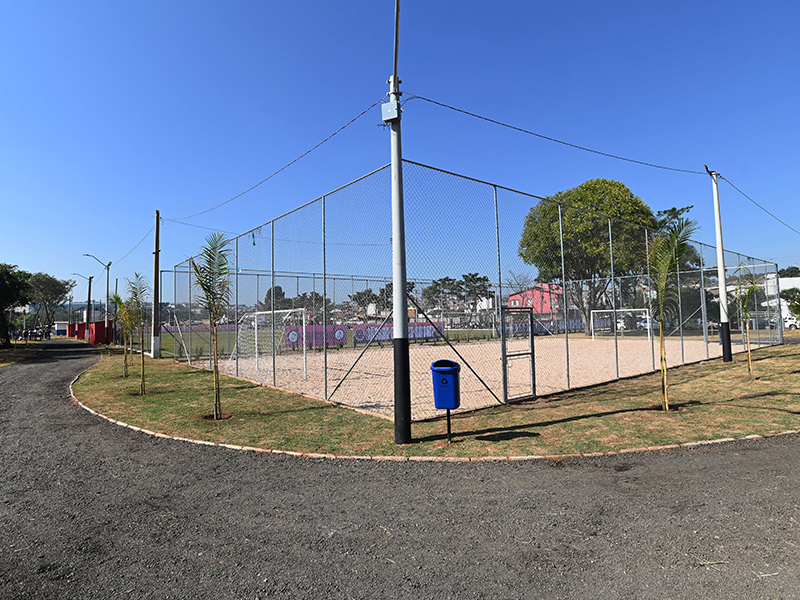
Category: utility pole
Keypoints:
(89, 308)
(390, 112)
(156, 340)
(107, 267)
(724, 323)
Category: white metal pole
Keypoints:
(724, 324)
(402, 377)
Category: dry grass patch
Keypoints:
(18, 351)
(712, 400)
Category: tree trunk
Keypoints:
(749, 357)
(662, 344)
(141, 351)
(217, 402)
(124, 355)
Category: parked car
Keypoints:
(790, 322)
(647, 322)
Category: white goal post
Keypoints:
(602, 321)
(270, 333)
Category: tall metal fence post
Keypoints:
(564, 293)
(703, 308)
(651, 318)
(191, 321)
(613, 297)
(324, 305)
(272, 299)
(780, 321)
(499, 322)
(680, 309)
(174, 310)
(236, 309)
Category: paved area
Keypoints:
(90, 510)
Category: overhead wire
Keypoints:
(758, 205)
(552, 139)
(198, 226)
(136, 246)
(286, 166)
(585, 149)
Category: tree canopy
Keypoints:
(46, 294)
(585, 212)
(14, 291)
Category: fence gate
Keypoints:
(519, 361)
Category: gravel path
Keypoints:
(90, 510)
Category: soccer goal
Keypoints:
(606, 322)
(263, 335)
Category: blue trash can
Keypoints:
(446, 385)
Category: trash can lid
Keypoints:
(445, 366)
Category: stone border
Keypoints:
(474, 459)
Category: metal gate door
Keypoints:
(519, 361)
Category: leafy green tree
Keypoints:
(789, 272)
(665, 218)
(792, 297)
(442, 292)
(475, 288)
(667, 249)
(313, 302)
(385, 299)
(281, 301)
(212, 279)
(138, 293)
(585, 226)
(364, 299)
(46, 294)
(14, 290)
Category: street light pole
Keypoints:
(107, 268)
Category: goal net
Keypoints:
(624, 321)
(264, 335)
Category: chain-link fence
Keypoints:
(569, 307)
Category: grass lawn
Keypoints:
(711, 400)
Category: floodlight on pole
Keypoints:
(107, 268)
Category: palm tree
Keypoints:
(138, 292)
(212, 279)
(668, 250)
(745, 291)
(123, 315)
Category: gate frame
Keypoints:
(504, 310)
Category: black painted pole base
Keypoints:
(725, 340)
(402, 392)
(449, 441)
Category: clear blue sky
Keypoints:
(111, 110)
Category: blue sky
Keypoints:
(112, 110)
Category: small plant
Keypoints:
(138, 292)
(212, 279)
(668, 250)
